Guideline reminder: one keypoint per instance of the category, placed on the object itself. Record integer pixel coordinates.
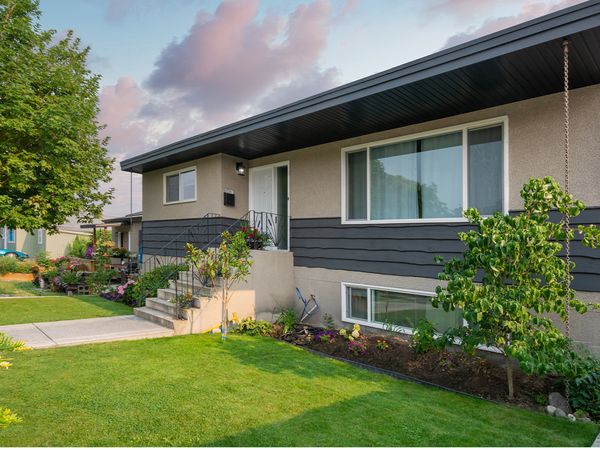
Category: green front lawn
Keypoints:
(195, 391)
(48, 309)
(18, 288)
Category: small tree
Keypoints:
(522, 278)
(227, 264)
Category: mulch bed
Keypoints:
(482, 374)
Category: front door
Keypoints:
(269, 201)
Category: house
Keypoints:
(40, 241)
(125, 231)
(370, 179)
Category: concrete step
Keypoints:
(196, 288)
(156, 316)
(162, 305)
(168, 294)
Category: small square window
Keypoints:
(40, 237)
(12, 236)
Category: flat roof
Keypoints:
(520, 62)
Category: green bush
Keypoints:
(584, 382)
(78, 247)
(252, 327)
(423, 338)
(287, 319)
(150, 282)
(13, 265)
(43, 259)
(70, 278)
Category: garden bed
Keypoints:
(482, 374)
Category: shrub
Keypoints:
(583, 381)
(252, 327)
(287, 319)
(423, 338)
(8, 265)
(43, 260)
(99, 279)
(78, 247)
(7, 417)
(70, 278)
(150, 282)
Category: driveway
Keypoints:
(83, 331)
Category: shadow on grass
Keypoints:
(405, 418)
(273, 356)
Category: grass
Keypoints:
(18, 288)
(195, 391)
(48, 309)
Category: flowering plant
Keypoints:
(327, 336)
(358, 346)
(382, 344)
(255, 238)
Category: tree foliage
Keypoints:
(227, 265)
(511, 277)
(52, 161)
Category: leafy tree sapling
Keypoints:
(522, 280)
(228, 264)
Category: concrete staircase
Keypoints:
(202, 316)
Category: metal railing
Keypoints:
(188, 282)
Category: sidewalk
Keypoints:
(84, 331)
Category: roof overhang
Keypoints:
(521, 62)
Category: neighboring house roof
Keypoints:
(517, 63)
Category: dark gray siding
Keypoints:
(408, 249)
(168, 237)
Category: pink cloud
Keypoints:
(529, 10)
(231, 60)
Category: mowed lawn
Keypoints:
(47, 309)
(196, 391)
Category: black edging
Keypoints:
(398, 375)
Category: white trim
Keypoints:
(251, 201)
(369, 322)
(178, 172)
(465, 127)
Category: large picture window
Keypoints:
(180, 186)
(403, 309)
(435, 177)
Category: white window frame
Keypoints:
(40, 236)
(465, 128)
(369, 323)
(14, 236)
(179, 172)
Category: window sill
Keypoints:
(179, 202)
(403, 221)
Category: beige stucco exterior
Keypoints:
(54, 244)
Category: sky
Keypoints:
(175, 68)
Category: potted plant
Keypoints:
(118, 254)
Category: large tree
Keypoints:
(53, 164)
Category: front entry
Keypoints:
(269, 202)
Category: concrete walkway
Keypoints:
(84, 331)
(597, 441)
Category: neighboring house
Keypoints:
(33, 244)
(125, 231)
(375, 174)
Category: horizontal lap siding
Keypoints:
(168, 237)
(409, 249)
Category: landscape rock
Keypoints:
(550, 409)
(571, 418)
(557, 400)
(560, 413)
(585, 420)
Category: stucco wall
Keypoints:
(56, 244)
(325, 284)
(535, 149)
(129, 232)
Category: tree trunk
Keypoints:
(509, 378)
(223, 315)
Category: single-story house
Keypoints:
(371, 178)
(40, 241)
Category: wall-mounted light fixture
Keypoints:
(240, 168)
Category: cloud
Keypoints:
(230, 60)
(529, 10)
(116, 10)
(231, 64)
